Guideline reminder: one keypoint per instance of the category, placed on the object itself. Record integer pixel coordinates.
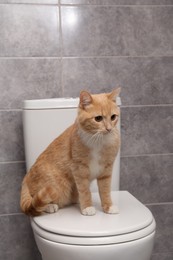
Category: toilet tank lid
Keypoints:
(53, 103)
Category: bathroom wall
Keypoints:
(54, 49)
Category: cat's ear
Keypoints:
(85, 99)
(115, 93)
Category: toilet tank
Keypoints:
(44, 120)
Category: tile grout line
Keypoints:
(150, 105)
(12, 162)
(61, 49)
(126, 156)
(116, 56)
(86, 57)
(11, 109)
(114, 5)
(128, 106)
(11, 214)
(158, 203)
(147, 155)
(80, 5)
(34, 4)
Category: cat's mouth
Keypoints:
(107, 132)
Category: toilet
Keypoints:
(67, 234)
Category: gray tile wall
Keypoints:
(56, 48)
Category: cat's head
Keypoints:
(98, 113)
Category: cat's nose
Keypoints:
(108, 129)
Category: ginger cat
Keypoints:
(85, 151)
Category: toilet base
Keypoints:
(133, 250)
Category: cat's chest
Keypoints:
(95, 164)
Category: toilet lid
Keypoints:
(68, 222)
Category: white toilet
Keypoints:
(68, 235)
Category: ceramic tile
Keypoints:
(11, 136)
(17, 240)
(29, 30)
(147, 130)
(148, 178)
(144, 81)
(162, 256)
(29, 79)
(117, 31)
(10, 190)
(118, 2)
(164, 230)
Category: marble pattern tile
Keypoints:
(29, 30)
(17, 240)
(29, 79)
(117, 31)
(11, 136)
(118, 2)
(148, 178)
(144, 81)
(164, 230)
(146, 130)
(11, 176)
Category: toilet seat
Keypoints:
(68, 226)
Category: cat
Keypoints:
(85, 151)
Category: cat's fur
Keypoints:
(85, 151)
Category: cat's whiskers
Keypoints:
(90, 139)
(94, 139)
(97, 137)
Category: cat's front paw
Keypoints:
(112, 210)
(51, 208)
(89, 211)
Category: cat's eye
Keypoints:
(113, 117)
(98, 118)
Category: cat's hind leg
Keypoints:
(51, 208)
(46, 200)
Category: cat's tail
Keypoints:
(34, 206)
(26, 200)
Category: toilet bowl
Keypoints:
(68, 235)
